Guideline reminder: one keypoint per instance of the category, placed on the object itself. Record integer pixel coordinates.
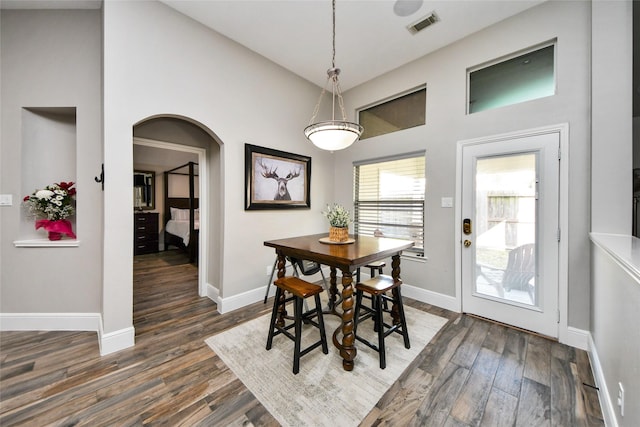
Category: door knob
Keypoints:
(467, 243)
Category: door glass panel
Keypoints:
(505, 222)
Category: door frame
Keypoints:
(203, 195)
(563, 220)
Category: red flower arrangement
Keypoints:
(51, 207)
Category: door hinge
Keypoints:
(558, 234)
(558, 316)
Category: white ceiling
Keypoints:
(165, 158)
(371, 35)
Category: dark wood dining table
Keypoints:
(346, 257)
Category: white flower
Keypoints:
(59, 197)
(337, 215)
(44, 194)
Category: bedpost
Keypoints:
(167, 209)
(192, 227)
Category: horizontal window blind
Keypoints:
(389, 198)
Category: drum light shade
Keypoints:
(333, 135)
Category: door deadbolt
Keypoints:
(467, 243)
(466, 226)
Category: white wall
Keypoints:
(615, 332)
(611, 123)
(51, 59)
(615, 281)
(444, 73)
(157, 61)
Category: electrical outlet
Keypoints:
(621, 399)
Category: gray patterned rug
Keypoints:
(322, 392)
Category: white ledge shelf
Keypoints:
(624, 249)
(46, 243)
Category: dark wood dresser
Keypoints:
(145, 234)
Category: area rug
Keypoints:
(322, 393)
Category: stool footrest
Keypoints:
(367, 343)
(311, 347)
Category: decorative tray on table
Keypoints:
(331, 242)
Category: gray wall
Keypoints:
(231, 91)
(51, 59)
(616, 336)
(615, 284)
(222, 86)
(444, 73)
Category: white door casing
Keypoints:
(544, 311)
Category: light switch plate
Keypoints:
(446, 202)
(6, 199)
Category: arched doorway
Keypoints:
(172, 139)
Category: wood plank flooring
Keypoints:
(474, 373)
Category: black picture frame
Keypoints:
(276, 179)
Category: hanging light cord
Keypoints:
(332, 75)
(333, 33)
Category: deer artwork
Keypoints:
(282, 193)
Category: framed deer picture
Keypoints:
(276, 179)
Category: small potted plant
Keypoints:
(339, 220)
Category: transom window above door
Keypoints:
(517, 78)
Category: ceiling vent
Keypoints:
(423, 23)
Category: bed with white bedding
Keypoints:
(181, 228)
(182, 214)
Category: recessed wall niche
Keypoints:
(49, 139)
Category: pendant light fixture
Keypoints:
(332, 134)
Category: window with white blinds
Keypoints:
(389, 198)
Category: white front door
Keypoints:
(509, 245)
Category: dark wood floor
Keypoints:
(472, 373)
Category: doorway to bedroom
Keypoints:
(166, 199)
(177, 157)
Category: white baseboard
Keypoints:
(606, 405)
(225, 305)
(115, 341)
(235, 302)
(212, 293)
(434, 298)
(91, 322)
(577, 338)
(50, 322)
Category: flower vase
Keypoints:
(56, 228)
(54, 235)
(338, 234)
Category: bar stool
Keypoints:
(376, 288)
(373, 267)
(300, 290)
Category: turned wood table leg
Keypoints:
(395, 273)
(282, 312)
(347, 350)
(333, 290)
